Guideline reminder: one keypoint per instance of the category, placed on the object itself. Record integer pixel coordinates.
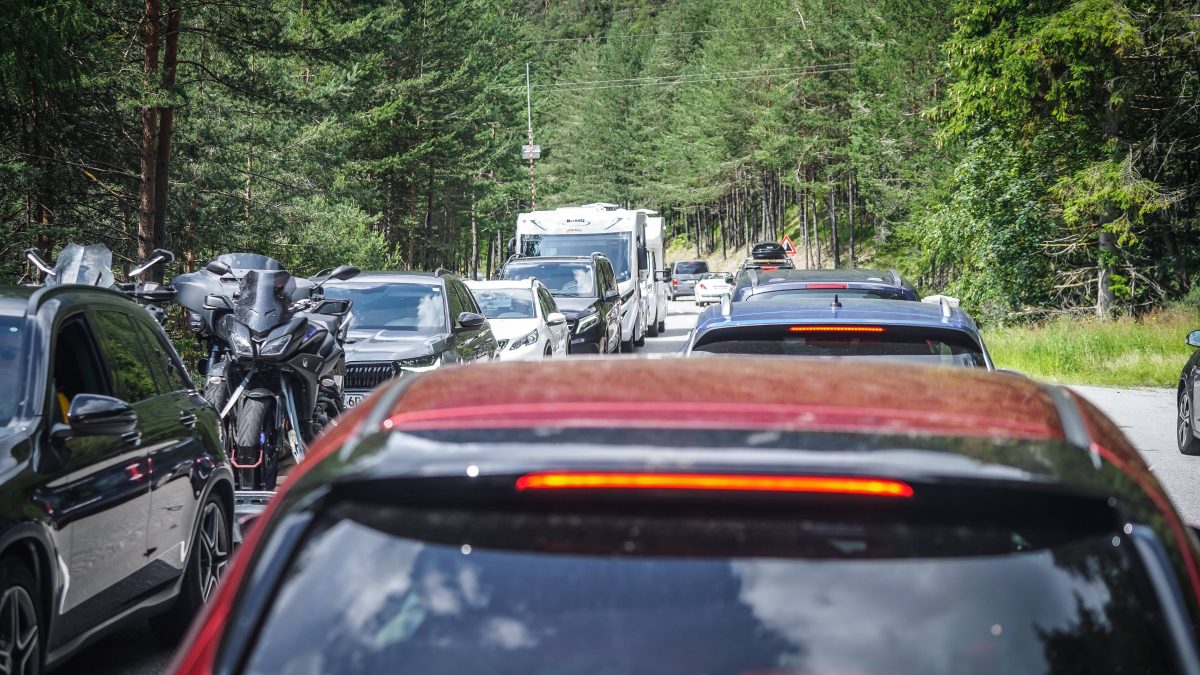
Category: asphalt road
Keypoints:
(1146, 415)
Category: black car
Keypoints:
(117, 496)
(1186, 420)
(910, 520)
(585, 290)
(684, 275)
(408, 322)
(774, 284)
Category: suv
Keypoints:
(684, 275)
(585, 290)
(117, 494)
(408, 322)
(610, 516)
(762, 284)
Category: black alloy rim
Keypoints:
(214, 549)
(18, 633)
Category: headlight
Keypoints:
(276, 346)
(586, 322)
(415, 363)
(241, 344)
(530, 339)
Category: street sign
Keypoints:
(788, 247)
(531, 151)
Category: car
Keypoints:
(585, 291)
(524, 318)
(405, 322)
(712, 287)
(873, 329)
(768, 250)
(762, 284)
(684, 275)
(1186, 421)
(117, 494)
(906, 519)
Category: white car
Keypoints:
(524, 318)
(711, 287)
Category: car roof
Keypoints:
(391, 276)
(15, 299)
(502, 283)
(552, 258)
(923, 422)
(839, 275)
(852, 311)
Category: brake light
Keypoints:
(768, 269)
(840, 485)
(817, 286)
(836, 329)
(674, 282)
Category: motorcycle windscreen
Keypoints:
(86, 265)
(249, 261)
(263, 303)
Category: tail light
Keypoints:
(836, 329)
(674, 282)
(832, 485)
(826, 286)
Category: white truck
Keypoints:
(654, 288)
(618, 234)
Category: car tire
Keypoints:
(209, 559)
(22, 637)
(652, 329)
(662, 326)
(549, 351)
(1185, 436)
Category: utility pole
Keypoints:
(531, 150)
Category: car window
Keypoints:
(124, 356)
(14, 349)
(468, 298)
(508, 593)
(77, 368)
(505, 303)
(166, 373)
(610, 281)
(456, 302)
(400, 306)
(697, 267)
(564, 278)
(893, 343)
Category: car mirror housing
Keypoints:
(612, 294)
(96, 415)
(662, 275)
(1193, 338)
(470, 320)
(556, 318)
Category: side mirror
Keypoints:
(555, 319)
(612, 294)
(1193, 338)
(512, 246)
(470, 320)
(96, 415)
(662, 275)
(344, 272)
(219, 268)
(217, 302)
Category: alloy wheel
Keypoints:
(18, 633)
(214, 549)
(1184, 435)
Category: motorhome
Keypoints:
(619, 234)
(654, 287)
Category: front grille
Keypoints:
(368, 375)
(502, 343)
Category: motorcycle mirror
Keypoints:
(159, 255)
(344, 272)
(35, 256)
(217, 267)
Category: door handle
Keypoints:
(187, 419)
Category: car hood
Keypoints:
(573, 307)
(512, 329)
(389, 345)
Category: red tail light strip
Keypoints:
(714, 415)
(833, 485)
(836, 329)
(827, 286)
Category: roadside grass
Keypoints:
(1145, 352)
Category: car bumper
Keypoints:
(587, 342)
(709, 295)
(684, 288)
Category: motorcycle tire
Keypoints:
(253, 438)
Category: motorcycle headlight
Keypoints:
(276, 346)
(241, 344)
(420, 362)
(530, 339)
(586, 322)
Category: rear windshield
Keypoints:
(408, 590)
(841, 293)
(698, 267)
(893, 343)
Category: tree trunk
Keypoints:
(1104, 291)
(850, 206)
(165, 126)
(803, 206)
(474, 240)
(812, 210)
(149, 153)
(833, 230)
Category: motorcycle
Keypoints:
(92, 266)
(281, 342)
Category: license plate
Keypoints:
(351, 400)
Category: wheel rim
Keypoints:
(214, 549)
(1185, 419)
(18, 633)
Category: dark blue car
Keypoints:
(757, 284)
(832, 327)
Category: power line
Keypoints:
(630, 36)
(653, 78)
(701, 81)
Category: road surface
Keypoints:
(1147, 416)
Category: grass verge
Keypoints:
(1146, 352)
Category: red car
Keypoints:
(725, 516)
